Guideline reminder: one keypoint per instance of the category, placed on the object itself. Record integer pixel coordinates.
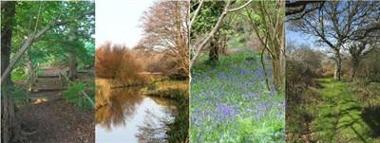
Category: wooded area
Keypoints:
(237, 69)
(41, 44)
(333, 85)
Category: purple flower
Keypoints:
(263, 106)
(250, 95)
(243, 72)
(225, 111)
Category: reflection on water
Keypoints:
(128, 116)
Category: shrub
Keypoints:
(108, 61)
(18, 95)
(73, 95)
(369, 68)
(116, 62)
(299, 96)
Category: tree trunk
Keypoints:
(355, 65)
(10, 129)
(223, 45)
(338, 66)
(278, 73)
(73, 73)
(31, 72)
(213, 55)
(8, 12)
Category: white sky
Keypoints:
(118, 21)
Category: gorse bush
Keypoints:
(116, 62)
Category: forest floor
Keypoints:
(339, 115)
(50, 118)
(230, 102)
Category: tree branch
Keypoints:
(240, 7)
(29, 41)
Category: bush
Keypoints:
(299, 96)
(161, 62)
(116, 62)
(73, 95)
(18, 95)
(369, 68)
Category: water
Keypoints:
(132, 117)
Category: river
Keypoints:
(130, 116)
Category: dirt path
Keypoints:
(50, 119)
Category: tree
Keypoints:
(165, 27)
(206, 19)
(299, 8)
(26, 25)
(266, 18)
(10, 129)
(52, 18)
(197, 47)
(335, 24)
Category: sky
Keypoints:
(118, 21)
(299, 38)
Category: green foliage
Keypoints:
(18, 95)
(50, 48)
(18, 74)
(73, 95)
(207, 16)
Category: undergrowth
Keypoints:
(73, 94)
(230, 102)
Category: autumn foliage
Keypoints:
(116, 62)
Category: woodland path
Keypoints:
(49, 118)
(338, 117)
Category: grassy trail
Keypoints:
(338, 116)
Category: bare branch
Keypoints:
(240, 7)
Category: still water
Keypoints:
(132, 117)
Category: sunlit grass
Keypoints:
(338, 116)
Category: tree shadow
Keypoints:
(371, 117)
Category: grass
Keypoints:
(168, 89)
(230, 103)
(338, 117)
